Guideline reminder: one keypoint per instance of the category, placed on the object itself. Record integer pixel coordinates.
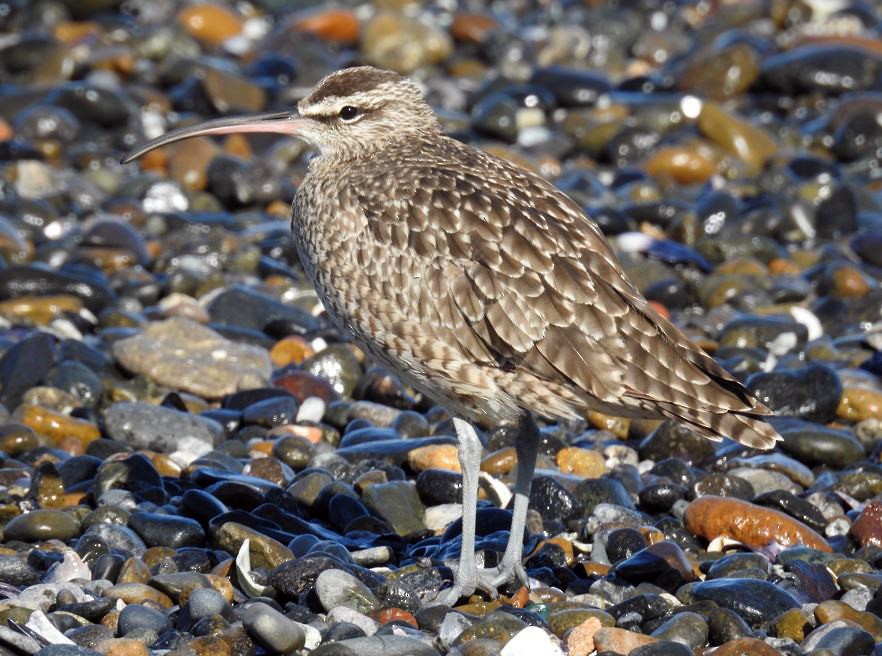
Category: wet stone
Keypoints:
(38, 525)
(756, 602)
(810, 393)
(337, 588)
(166, 530)
(206, 364)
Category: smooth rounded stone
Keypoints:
(619, 641)
(686, 628)
(664, 564)
(67, 650)
(565, 619)
(352, 618)
(756, 602)
(839, 638)
(148, 426)
(798, 508)
(33, 280)
(832, 610)
(532, 640)
(398, 504)
(135, 617)
(811, 392)
(16, 570)
(117, 537)
(859, 404)
(138, 593)
(662, 497)
(271, 412)
(572, 87)
(381, 645)
(434, 456)
(581, 462)
(662, 648)
(438, 486)
(814, 444)
(867, 528)
(722, 485)
(747, 645)
(713, 517)
(205, 602)
(38, 525)
(829, 68)
(775, 334)
(205, 363)
(721, 73)
(591, 493)
(403, 44)
(264, 550)
(248, 308)
(751, 144)
(335, 588)
(338, 365)
(674, 440)
(552, 500)
(24, 364)
(272, 630)
(167, 530)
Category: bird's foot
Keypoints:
(486, 579)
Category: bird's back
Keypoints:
(491, 290)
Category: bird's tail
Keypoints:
(748, 426)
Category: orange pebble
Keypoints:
(212, 24)
(338, 25)
(396, 614)
(290, 350)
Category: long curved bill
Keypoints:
(274, 122)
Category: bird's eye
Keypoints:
(348, 112)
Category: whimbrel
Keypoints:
(481, 285)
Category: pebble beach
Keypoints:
(195, 462)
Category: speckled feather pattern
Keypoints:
(491, 291)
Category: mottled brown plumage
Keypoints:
(489, 289)
(482, 285)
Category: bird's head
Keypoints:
(349, 113)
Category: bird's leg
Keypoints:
(466, 580)
(526, 446)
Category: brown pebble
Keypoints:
(867, 528)
(620, 641)
(501, 461)
(749, 143)
(712, 517)
(290, 350)
(122, 647)
(209, 23)
(329, 24)
(138, 593)
(849, 282)
(40, 310)
(683, 164)
(794, 624)
(134, 570)
(832, 610)
(581, 462)
(618, 426)
(858, 404)
(580, 640)
(67, 432)
(434, 456)
(472, 28)
(744, 647)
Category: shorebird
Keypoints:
(481, 285)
